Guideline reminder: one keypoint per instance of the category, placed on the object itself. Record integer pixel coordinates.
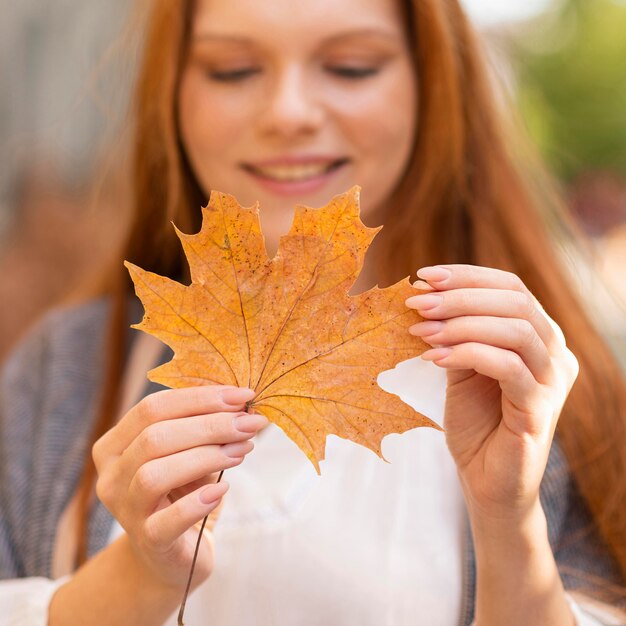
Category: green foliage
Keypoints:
(572, 85)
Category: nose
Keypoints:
(291, 108)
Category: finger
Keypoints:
(443, 305)
(180, 492)
(212, 519)
(165, 438)
(164, 527)
(458, 276)
(165, 405)
(505, 366)
(446, 277)
(155, 479)
(513, 334)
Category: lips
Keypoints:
(294, 170)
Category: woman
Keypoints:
(283, 102)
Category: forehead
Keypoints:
(289, 22)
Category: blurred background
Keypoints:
(65, 68)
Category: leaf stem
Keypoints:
(181, 612)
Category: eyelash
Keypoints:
(353, 73)
(350, 73)
(233, 76)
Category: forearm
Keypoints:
(517, 581)
(111, 589)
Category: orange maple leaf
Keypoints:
(286, 327)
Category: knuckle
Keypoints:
(515, 365)
(530, 306)
(178, 513)
(515, 282)
(573, 363)
(464, 299)
(525, 334)
(465, 350)
(152, 439)
(151, 535)
(97, 454)
(470, 351)
(525, 304)
(210, 428)
(203, 394)
(151, 406)
(104, 490)
(557, 331)
(212, 458)
(146, 479)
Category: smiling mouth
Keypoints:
(294, 173)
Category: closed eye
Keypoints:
(233, 75)
(352, 72)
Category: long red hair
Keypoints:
(463, 199)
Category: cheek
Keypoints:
(387, 121)
(382, 125)
(210, 126)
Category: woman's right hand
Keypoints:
(156, 465)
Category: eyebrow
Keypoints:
(376, 33)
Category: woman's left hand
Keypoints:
(509, 374)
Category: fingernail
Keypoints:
(236, 396)
(424, 302)
(424, 329)
(436, 354)
(238, 449)
(250, 423)
(420, 284)
(436, 273)
(210, 494)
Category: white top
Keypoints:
(367, 543)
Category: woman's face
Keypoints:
(294, 101)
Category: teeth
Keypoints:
(289, 173)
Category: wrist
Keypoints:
(517, 581)
(521, 529)
(166, 589)
(113, 588)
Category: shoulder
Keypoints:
(58, 334)
(49, 391)
(63, 322)
(57, 366)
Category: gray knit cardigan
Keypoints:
(49, 391)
